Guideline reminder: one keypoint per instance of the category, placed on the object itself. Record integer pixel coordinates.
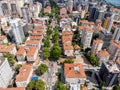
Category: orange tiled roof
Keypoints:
(103, 53)
(74, 71)
(2, 38)
(76, 47)
(66, 38)
(17, 88)
(98, 41)
(84, 88)
(67, 33)
(98, 21)
(21, 50)
(117, 44)
(81, 27)
(35, 37)
(24, 73)
(118, 61)
(32, 42)
(5, 48)
(67, 47)
(31, 51)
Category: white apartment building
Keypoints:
(6, 73)
(17, 30)
(114, 50)
(116, 35)
(25, 14)
(103, 56)
(86, 37)
(24, 76)
(97, 46)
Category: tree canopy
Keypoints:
(69, 60)
(36, 85)
(42, 68)
(56, 51)
(10, 58)
(46, 52)
(60, 86)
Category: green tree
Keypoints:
(69, 60)
(47, 42)
(46, 52)
(31, 85)
(56, 37)
(116, 87)
(60, 86)
(49, 31)
(56, 52)
(36, 85)
(17, 67)
(42, 68)
(10, 58)
(39, 85)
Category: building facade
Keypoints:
(6, 73)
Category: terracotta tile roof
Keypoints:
(81, 27)
(103, 53)
(2, 38)
(17, 88)
(66, 38)
(84, 22)
(74, 71)
(30, 42)
(67, 47)
(24, 73)
(84, 88)
(66, 26)
(38, 28)
(117, 44)
(118, 61)
(5, 48)
(38, 21)
(35, 37)
(47, 9)
(76, 47)
(22, 50)
(31, 51)
(98, 41)
(67, 33)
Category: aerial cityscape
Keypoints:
(59, 44)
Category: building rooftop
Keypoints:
(112, 66)
(74, 71)
(31, 51)
(98, 41)
(17, 88)
(117, 44)
(103, 53)
(24, 73)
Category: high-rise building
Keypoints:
(97, 46)
(6, 73)
(116, 35)
(114, 50)
(86, 37)
(25, 14)
(4, 8)
(17, 30)
(106, 37)
(109, 73)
